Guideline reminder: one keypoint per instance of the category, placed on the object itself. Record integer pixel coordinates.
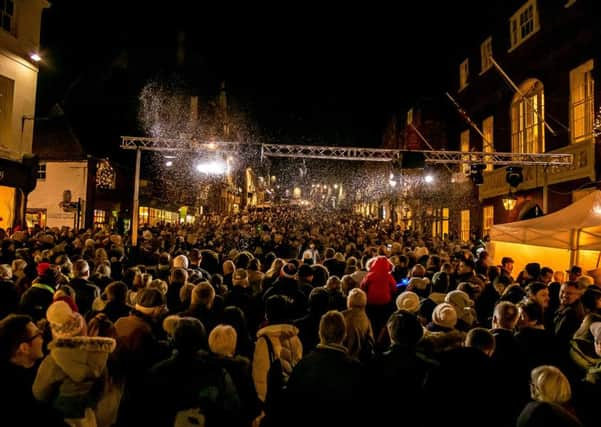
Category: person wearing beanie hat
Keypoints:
(75, 367)
(440, 334)
(241, 294)
(36, 300)
(408, 301)
(466, 315)
(445, 316)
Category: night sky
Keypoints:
(302, 74)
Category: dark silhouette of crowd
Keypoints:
(290, 318)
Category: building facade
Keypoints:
(529, 86)
(20, 23)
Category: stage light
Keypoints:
(429, 179)
(514, 176)
(168, 163)
(476, 173)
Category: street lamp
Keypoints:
(509, 201)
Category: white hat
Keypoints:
(408, 301)
(64, 322)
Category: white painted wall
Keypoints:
(48, 193)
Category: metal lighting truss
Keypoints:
(344, 153)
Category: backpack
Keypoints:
(276, 381)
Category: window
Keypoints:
(465, 148)
(582, 102)
(410, 116)
(7, 12)
(488, 145)
(465, 225)
(99, 216)
(463, 74)
(527, 119)
(523, 24)
(488, 218)
(440, 227)
(42, 171)
(486, 54)
(6, 111)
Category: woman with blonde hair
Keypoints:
(272, 274)
(551, 394)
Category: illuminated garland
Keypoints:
(105, 176)
(597, 124)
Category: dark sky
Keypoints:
(304, 74)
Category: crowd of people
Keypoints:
(290, 318)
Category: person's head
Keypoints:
(21, 342)
(228, 267)
(180, 261)
(549, 384)
(466, 266)
(532, 270)
(6, 272)
(356, 298)
(591, 299)
(203, 294)
(332, 328)
(178, 275)
(546, 275)
(404, 328)
(189, 336)
(418, 270)
(150, 302)
(333, 284)
(559, 276)
(81, 269)
(64, 322)
(569, 293)
(408, 301)
(574, 273)
(530, 314)
(482, 339)
(240, 278)
(159, 284)
(116, 291)
(505, 315)
(101, 326)
(222, 340)
(507, 264)
(445, 316)
(276, 309)
(305, 273)
(538, 292)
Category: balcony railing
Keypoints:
(583, 166)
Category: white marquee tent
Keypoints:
(570, 236)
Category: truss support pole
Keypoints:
(135, 216)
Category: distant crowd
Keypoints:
(290, 318)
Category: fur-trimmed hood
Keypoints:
(81, 357)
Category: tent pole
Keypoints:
(572, 250)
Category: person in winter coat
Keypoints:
(551, 394)
(380, 287)
(285, 342)
(327, 385)
(72, 376)
(359, 339)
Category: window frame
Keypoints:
(522, 112)
(12, 18)
(516, 38)
(488, 218)
(464, 137)
(490, 136)
(464, 229)
(464, 74)
(485, 52)
(588, 102)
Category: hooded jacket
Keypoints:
(378, 284)
(72, 376)
(286, 346)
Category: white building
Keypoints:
(20, 23)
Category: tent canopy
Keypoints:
(577, 226)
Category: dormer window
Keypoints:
(523, 24)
